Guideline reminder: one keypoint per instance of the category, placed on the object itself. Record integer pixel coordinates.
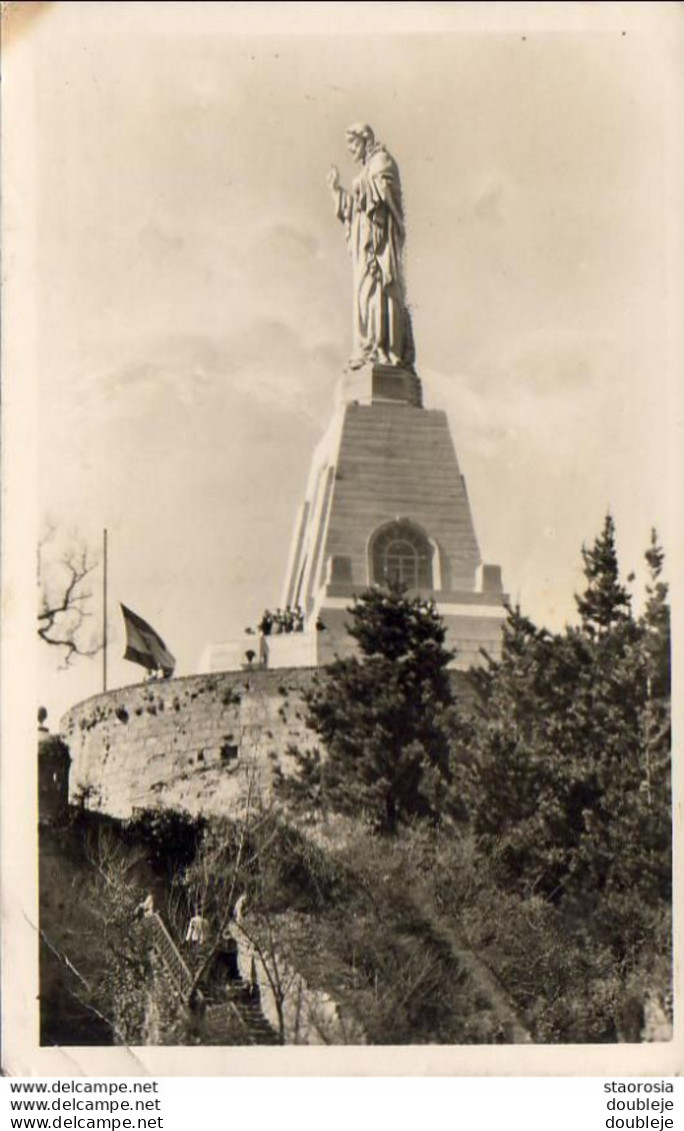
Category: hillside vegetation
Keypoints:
(492, 868)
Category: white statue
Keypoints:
(373, 215)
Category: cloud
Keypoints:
(267, 361)
(535, 408)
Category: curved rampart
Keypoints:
(185, 743)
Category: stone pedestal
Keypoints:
(386, 497)
(379, 384)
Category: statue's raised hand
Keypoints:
(333, 178)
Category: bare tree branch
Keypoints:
(63, 597)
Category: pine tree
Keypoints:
(524, 760)
(656, 622)
(605, 602)
(380, 715)
(565, 765)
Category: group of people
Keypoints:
(289, 619)
(283, 621)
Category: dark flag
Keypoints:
(144, 646)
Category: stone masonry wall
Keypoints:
(189, 743)
(185, 743)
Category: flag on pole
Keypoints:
(145, 646)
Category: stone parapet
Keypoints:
(188, 743)
(347, 590)
(254, 653)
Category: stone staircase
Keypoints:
(243, 1005)
(177, 969)
(239, 1011)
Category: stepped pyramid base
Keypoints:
(386, 498)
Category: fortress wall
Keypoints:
(185, 743)
(189, 743)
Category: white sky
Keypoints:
(192, 296)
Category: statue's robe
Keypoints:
(373, 216)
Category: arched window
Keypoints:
(401, 552)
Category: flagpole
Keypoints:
(104, 613)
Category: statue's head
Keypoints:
(360, 138)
